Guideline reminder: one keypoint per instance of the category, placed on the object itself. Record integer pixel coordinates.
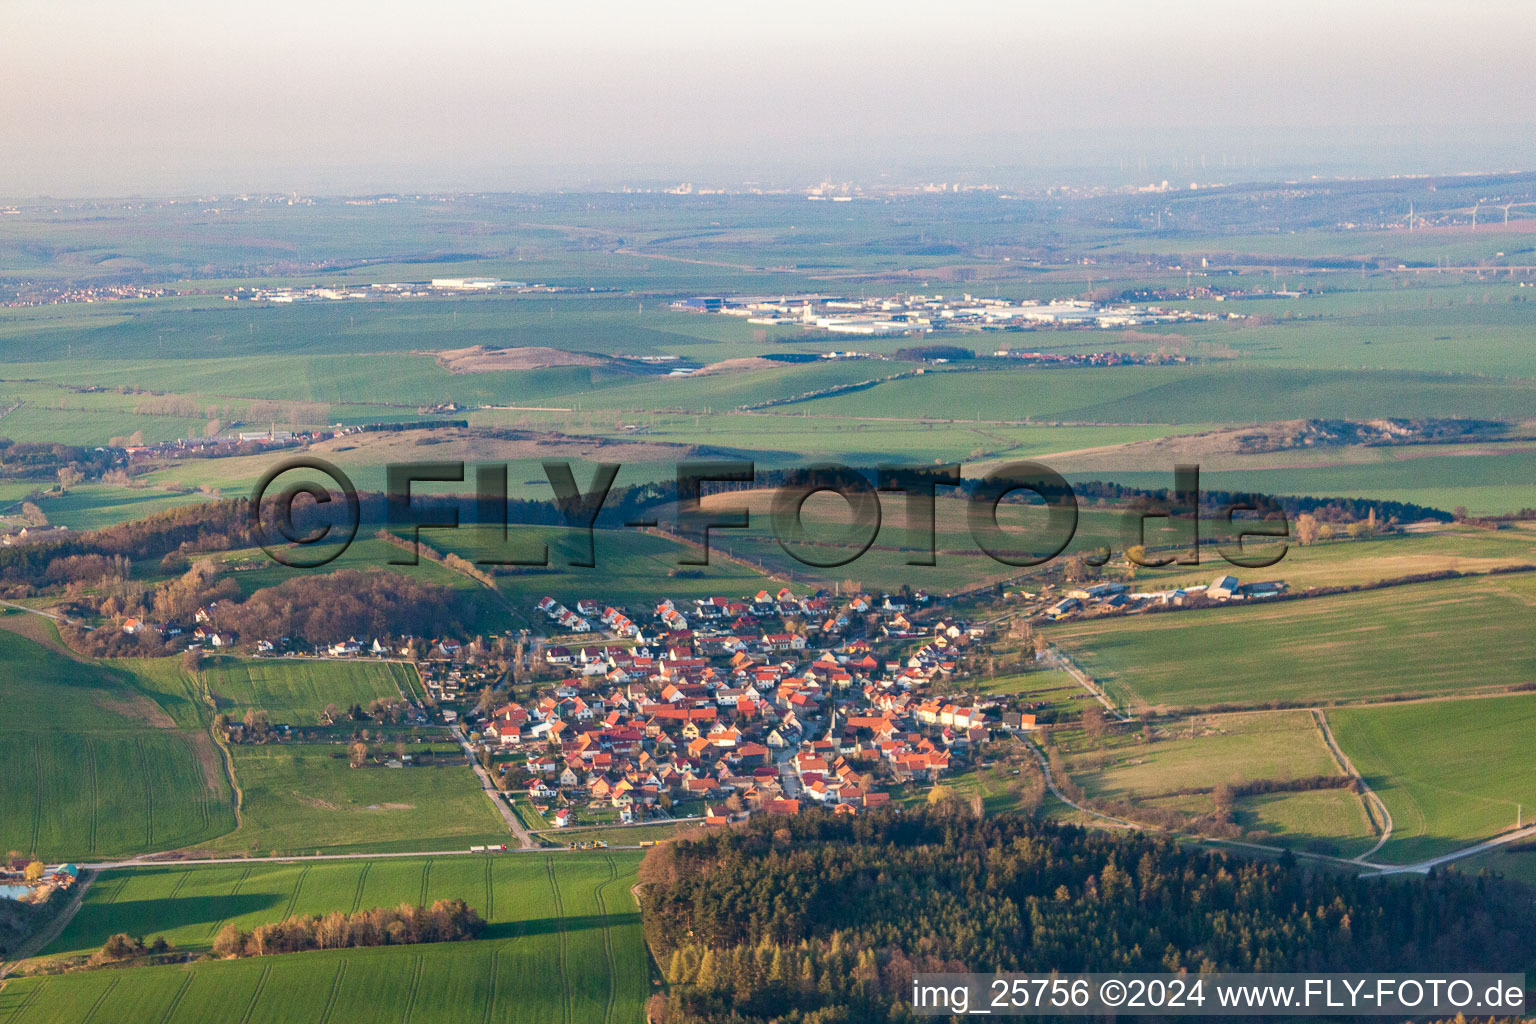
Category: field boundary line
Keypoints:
(170, 1008)
(330, 1002)
(613, 968)
(410, 996)
(357, 895)
(96, 1006)
(37, 807)
(1050, 782)
(261, 986)
(490, 892)
(90, 767)
(490, 999)
(232, 894)
(143, 861)
(1364, 737)
(1374, 805)
(293, 897)
(237, 795)
(1066, 664)
(426, 879)
(149, 794)
(565, 980)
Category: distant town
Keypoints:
(920, 314)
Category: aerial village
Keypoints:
(717, 708)
(723, 707)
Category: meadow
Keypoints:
(562, 943)
(1203, 752)
(306, 798)
(94, 766)
(1183, 395)
(111, 759)
(1454, 636)
(93, 506)
(631, 567)
(1345, 562)
(790, 437)
(1450, 772)
(1486, 480)
(297, 691)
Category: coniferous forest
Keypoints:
(826, 918)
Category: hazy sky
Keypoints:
(135, 96)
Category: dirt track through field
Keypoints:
(1375, 808)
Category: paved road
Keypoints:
(508, 814)
(1425, 866)
(35, 611)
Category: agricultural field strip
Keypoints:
(266, 987)
(1170, 661)
(145, 862)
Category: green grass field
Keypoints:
(305, 798)
(93, 506)
(958, 560)
(1450, 772)
(632, 567)
(1153, 394)
(1205, 752)
(1344, 562)
(109, 759)
(1516, 861)
(1428, 638)
(562, 943)
(94, 766)
(296, 691)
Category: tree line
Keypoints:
(444, 921)
(189, 529)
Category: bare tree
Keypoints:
(1093, 723)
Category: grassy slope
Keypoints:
(94, 766)
(109, 759)
(1207, 752)
(1449, 772)
(296, 692)
(1147, 394)
(303, 798)
(1428, 638)
(1347, 562)
(563, 942)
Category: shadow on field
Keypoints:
(549, 925)
(133, 916)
